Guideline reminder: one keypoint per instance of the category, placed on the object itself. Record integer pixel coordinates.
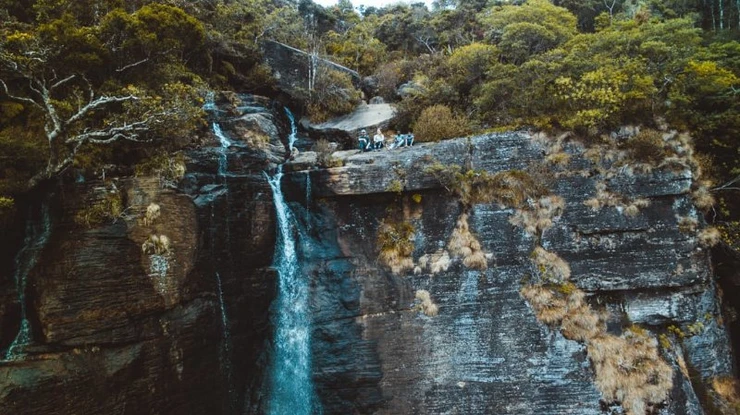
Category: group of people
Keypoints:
(378, 141)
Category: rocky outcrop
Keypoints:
(485, 351)
(344, 129)
(292, 68)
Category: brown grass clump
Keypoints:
(540, 215)
(687, 224)
(550, 266)
(605, 198)
(438, 123)
(427, 306)
(153, 212)
(465, 245)
(647, 147)
(396, 244)
(509, 188)
(629, 370)
(434, 263)
(156, 245)
(709, 237)
(702, 195)
(727, 389)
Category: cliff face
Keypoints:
(486, 352)
(125, 323)
(161, 309)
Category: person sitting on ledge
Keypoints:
(378, 140)
(364, 140)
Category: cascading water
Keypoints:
(291, 385)
(37, 235)
(223, 166)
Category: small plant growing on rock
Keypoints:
(396, 244)
(550, 267)
(509, 188)
(153, 212)
(434, 263)
(647, 147)
(156, 245)
(687, 224)
(539, 215)
(427, 306)
(709, 237)
(395, 186)
(107, 209)
(169, 168)
(324, 150)
(465, 245)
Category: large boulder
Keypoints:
(344, 129)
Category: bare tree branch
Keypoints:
(131, 65)
(61, 82)
(17, 98)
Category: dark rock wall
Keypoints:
(486, 353)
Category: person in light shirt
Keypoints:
(378, 140)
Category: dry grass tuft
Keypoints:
(153, 212)
(728, 389)
(629, 370)
(396, 244)
(551, 268)
(539, 216)
(709, 237)
(702, 196)
(427, 306)
(156, 245)
(605, 198)
(465, 245)
(435, 263)
(687, 224)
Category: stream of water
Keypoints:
(291, 387)
(36, 236)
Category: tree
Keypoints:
(54, 73)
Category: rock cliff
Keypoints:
(485, 351)
(122, 322)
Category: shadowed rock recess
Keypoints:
(123, 323)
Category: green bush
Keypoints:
(323, 149)
(438, 123)
(333, 95)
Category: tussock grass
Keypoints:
(540, 214)
(153, 212)
(435, 263)
(426, 306)
(396, 244)
(463, 244)
(709, 237)
(156, 245)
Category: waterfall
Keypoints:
(223, 167)
(291, 387)
(37, 235)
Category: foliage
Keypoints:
(104, 210)
(324, 150)
(395, 242)
(333, 95)
(509, 188)
(437, 123)
(647, 146)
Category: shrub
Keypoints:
(438, 123)
(550, 267)
(324, 150)
(538, 217)
(107, 209)
(170, 168)
(434, 263)
(333, 95)
(647, 147)
(396, 244)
